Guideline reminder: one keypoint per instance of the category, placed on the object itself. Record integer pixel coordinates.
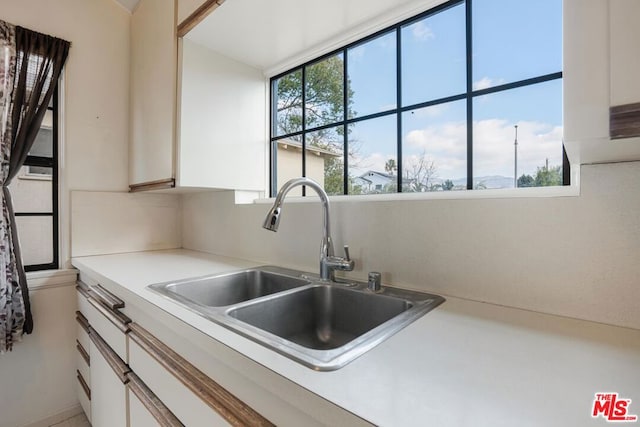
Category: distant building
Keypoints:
(289, 158)
(374, 181)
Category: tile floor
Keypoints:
(77, 421)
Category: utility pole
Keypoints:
(515, 159)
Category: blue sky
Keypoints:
(513, 40)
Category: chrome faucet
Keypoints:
(328, 261)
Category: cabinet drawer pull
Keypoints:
(118, 319)
(82, 321)
(232, 409)
(107, 298)
(83, 289)
(84, 385)
(150, 401)
(83, 353)
(113, 360)
(160, 184)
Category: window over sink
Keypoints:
(464, 96)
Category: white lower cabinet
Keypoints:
(194, 398)
(128, 378)
(145, 409)
(108, 385)
(139, 415)
(84, 395)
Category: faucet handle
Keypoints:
(374, 283)
(346, 253)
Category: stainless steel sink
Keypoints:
(321, 317)
(232, 288)
(323, 325)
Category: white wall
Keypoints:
(96, 97)
(572, 256)
(116, 222)
(38, 376)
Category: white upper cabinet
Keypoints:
(625, 53)
(222, 122)
(601, 65)
(198, 118)
(153, 91)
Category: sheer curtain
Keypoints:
(30, 65)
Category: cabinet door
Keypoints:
(195, 399)
(108, 389)
(222, 122)
(625, 55)
(145, 409)
(153, 91)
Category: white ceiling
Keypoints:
(128, 4)
(278, 34)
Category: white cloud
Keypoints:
(494, 147)
(446, 145)
(422, 32)
(375, 162)
(487, 82)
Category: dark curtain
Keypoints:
(39, 62)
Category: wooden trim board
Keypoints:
(624, 121)
(232, 409)
(161, 184)
(82, 321)
(84, 385)
(113, 360)
(197, 16)
(161, 413)
(83, 353)
(118, 319)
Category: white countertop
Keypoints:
(465, 363)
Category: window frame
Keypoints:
(468, 96)
(52, 163)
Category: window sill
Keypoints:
(35, 177)
(520, 193)
(51, 278)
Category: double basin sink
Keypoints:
(323, 325)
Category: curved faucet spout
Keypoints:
(328, 262)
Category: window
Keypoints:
(467, 95)
(35, 197)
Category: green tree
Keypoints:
(324, 100)
(391, 166)
(480, 186)
(526, 181)
(548, 176)
(447, 185)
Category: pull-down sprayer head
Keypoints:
(272, 220)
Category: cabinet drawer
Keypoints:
(193, 397)
(83, 298)
(83, 361)
(111, 325)
(145, 409)
(82, 328)
(84, 395)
